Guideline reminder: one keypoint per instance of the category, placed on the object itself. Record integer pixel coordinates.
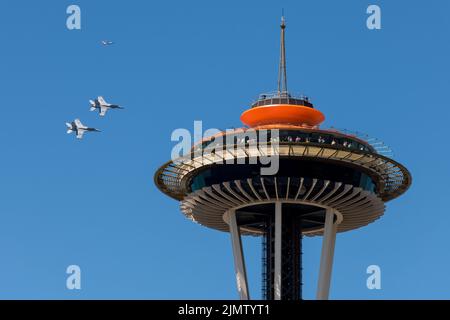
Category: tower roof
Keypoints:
(281, 107)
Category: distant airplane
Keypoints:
(102, 105)
(77, 127)
(107, 42)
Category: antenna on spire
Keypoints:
(282, 77)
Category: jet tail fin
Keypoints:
(92, 108)
(69, 127)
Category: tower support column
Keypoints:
(238, 254)
(278, 250)
(326, 259)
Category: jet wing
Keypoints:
(80, 134)
(103, 111)
(78, 123)
(102, 101)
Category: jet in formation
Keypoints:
(102, 106)
(107, 42)
(79, 128)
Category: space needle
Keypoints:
(328, 181)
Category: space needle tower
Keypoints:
(328, 181)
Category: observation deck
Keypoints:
(282, 108)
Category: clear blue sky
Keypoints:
(93, 202)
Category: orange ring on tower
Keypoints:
(282, 114)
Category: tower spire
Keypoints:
(282, 78)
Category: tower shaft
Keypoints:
(291, 262)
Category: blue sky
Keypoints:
(93, 202)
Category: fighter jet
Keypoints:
(77, 127)
(107, 42)
(102, 106)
